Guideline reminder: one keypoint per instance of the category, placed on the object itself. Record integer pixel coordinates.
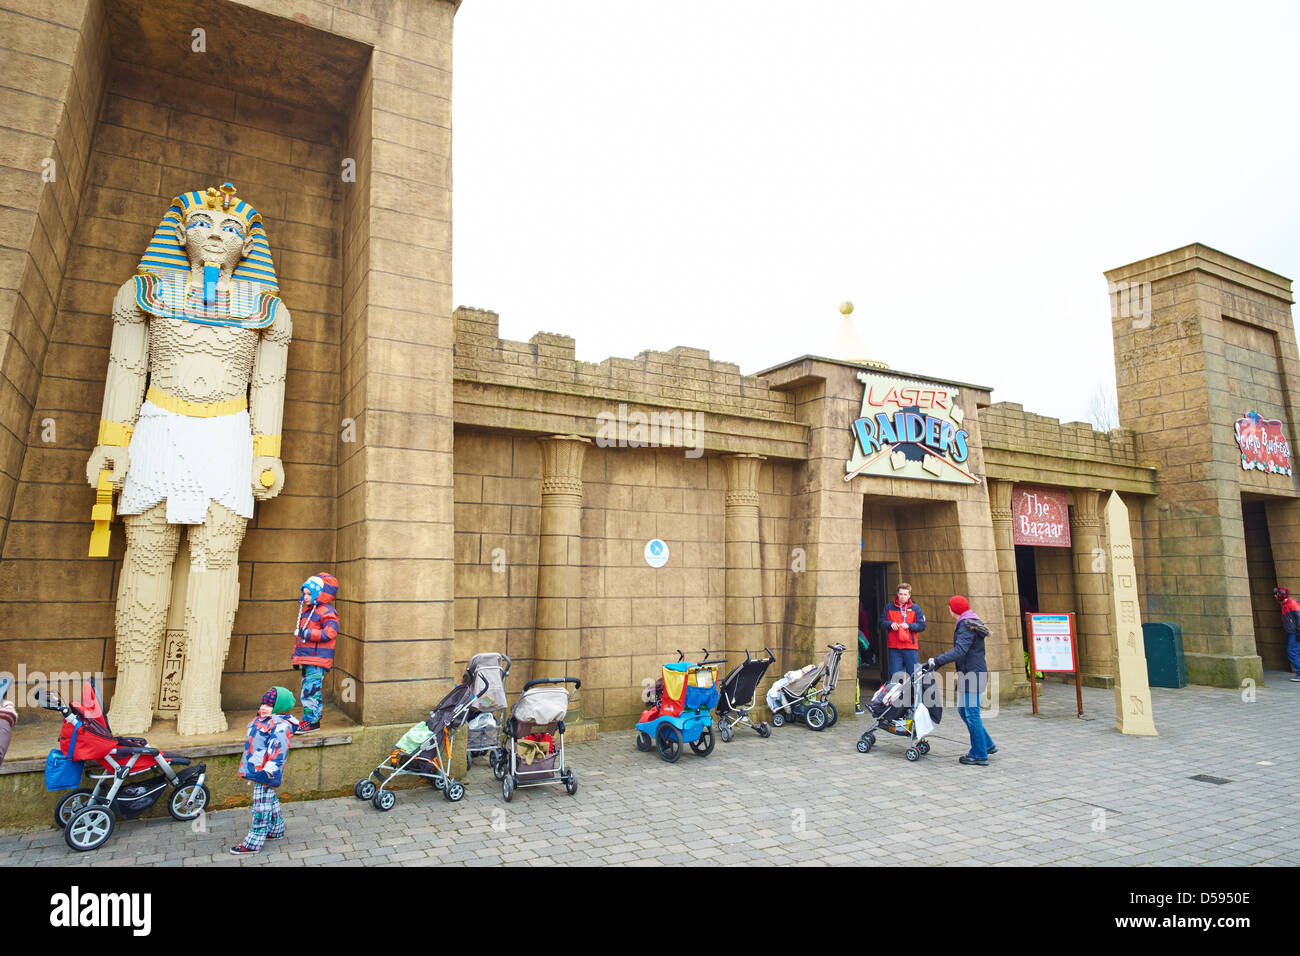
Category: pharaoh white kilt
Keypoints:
(189, 463)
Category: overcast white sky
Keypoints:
(723, 174)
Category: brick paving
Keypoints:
(1060, 791)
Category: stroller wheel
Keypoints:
(725, 733)
(764, 730)
(669, 740)
(913, 753)
(500, 765)
(571, 782)
(68, 806)
(704, 746)
(364, 789)
(189, 801)
(438, 782)
(455, 791)
(815, 717)
(778, 720)
(384, 800)
(89, 827)
(643, 742)
(507, 787)
(923, 747)
(832, 715)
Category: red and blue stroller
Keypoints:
(736, 697)
(124, 788)
(679, 709)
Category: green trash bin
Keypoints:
(1166, 666)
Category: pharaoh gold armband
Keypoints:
(114, 433)
(266, 446)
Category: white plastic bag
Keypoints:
(922, 723)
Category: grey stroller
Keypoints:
(487, 712)
(534, 740)
(800, 698)
(894, 711)
(420, 751)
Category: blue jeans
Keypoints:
(902, 662)
(968, 708)
(1293, 652)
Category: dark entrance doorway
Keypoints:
(873, 595)
(1026, 578)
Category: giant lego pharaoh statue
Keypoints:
(202, 326)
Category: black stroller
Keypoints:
(736, 697)
(894, 711)
(425, 750)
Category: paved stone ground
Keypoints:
(1060, 791)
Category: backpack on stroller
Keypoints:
(894, 710)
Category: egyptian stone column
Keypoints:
(558, 640)
(744, 576)
(1000, 506)
(1092, 586)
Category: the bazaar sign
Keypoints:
(1040, 517)
(1263, 446)
(909, 429)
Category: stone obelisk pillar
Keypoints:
(1092, 587)
(558, 637)
(744, 576)
(1004, 543)
(1132, 690)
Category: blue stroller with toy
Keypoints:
(679, 709)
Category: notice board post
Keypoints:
(1053, 649)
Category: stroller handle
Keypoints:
(505, 670)
(554, 680)
(49, 701)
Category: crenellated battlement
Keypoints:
(680, 377)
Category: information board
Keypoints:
(1051, 641)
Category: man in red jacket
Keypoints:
(317, 630)
(1290, 608)
(902, 621)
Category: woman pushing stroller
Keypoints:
(972, 677)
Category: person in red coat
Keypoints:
(1290, 608)
(902, 621)
(317, 630)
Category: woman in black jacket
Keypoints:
(972, 677)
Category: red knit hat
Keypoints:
(958, 604)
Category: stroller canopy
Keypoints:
(452, 709)
(487, 666)
(828, 667)
(543, 704)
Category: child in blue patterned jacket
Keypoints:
(262, 765)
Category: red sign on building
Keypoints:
(1040, 517)
(1263, 446)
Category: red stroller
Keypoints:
(87, 816)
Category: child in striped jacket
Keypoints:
(317, 630)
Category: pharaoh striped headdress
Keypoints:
(166, 254)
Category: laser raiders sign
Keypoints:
(1263, 446)
(909, 430)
